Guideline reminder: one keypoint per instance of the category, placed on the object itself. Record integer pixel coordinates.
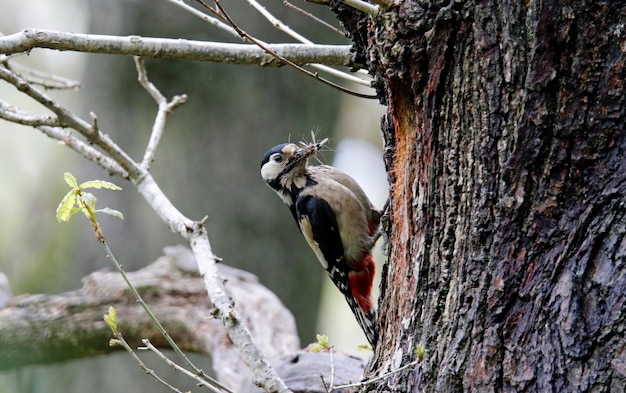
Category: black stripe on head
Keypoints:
(273, 150)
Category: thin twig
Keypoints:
(142, 77)
(121, 341)
(383, 3)
(362, 6)
(221, 12)
(314, 18)
(150, 347)
(332, 368)
(43, 79)
(207, 18)
(15, 115)
(84, 149)
(70, 120)
(165, 108)
(215, 385)
(50, 126)
(378, 378)
(277, 23)
(221, 22)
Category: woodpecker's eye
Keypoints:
(277, 157)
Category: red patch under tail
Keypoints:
(361, 282)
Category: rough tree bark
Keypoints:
(505, 150)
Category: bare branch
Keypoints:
(179, 300)
(165, 108)
(70, 120)
(314, 18)
(13, 114)
(194, 232)
(178, 297)
(277, 23)
(150, 347)
(28, 39)
(383, 3)
(119, 338)
(267, 49)
(378, 378)
(264, 373)
(362, 6)
(207, 18)
(40, 78)
(64, 116)
(51, 127)
(142, 77)
(84, 149)
(221, 21)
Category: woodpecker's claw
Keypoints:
(384, 228)
(382, 232)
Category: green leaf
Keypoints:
(89, 200)
(114, 342)
(65, 210)
(419, 352)
(322, 340)
(322, 343)
(70, 180)
(100, 184)
(364, 347)
(111, 212)
(111, 319)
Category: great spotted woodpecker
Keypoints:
(335, 217)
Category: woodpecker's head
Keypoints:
(281, 160)
(284, 166)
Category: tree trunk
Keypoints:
(505, 151)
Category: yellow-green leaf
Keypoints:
(322, 343)
(89, 200)
(111, 212)
(114, 342)
(322, 340)
(113, 313)
(111, 319)
(419, 351)
(70, 180)
(100, 184)
(65, 209)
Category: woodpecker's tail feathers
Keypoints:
(367, 323)
(366, 320)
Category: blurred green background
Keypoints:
(207, 163)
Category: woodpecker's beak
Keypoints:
(298, 158)
(301, 153)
